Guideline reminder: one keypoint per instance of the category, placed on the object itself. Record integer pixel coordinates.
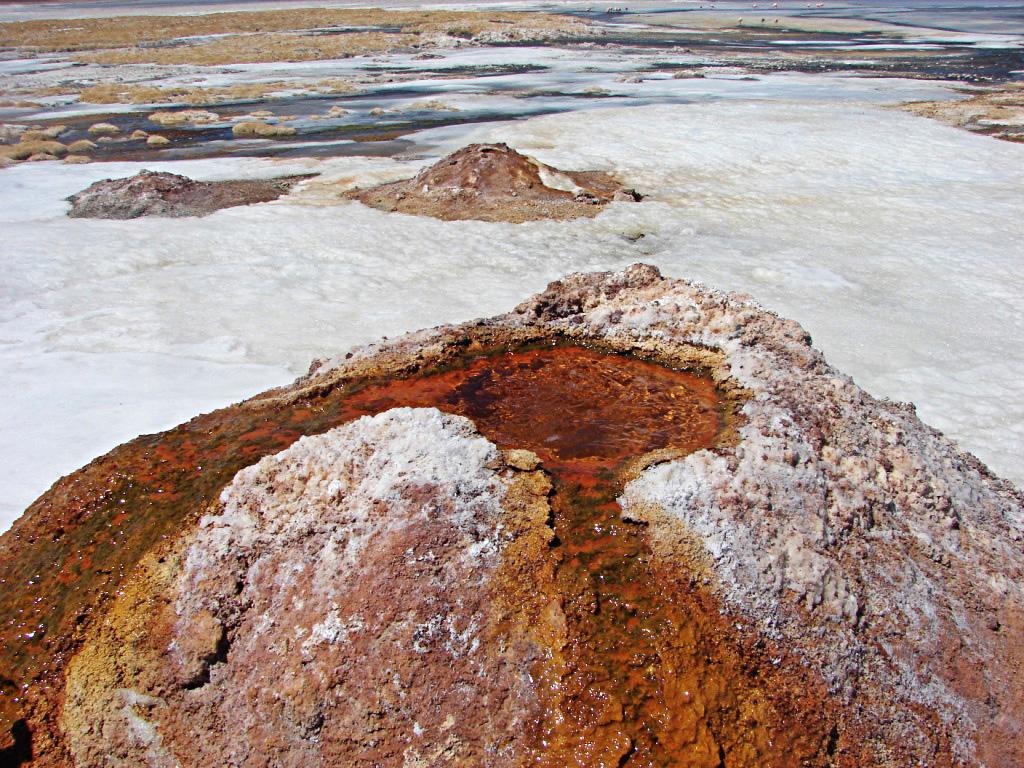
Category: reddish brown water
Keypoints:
(581, 411)
(626, 692)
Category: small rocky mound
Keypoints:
(156, 193)
(493, 182)
(996, 111)
(633, 522)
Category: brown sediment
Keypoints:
(289, 35)
(581, 411)
(149, 193)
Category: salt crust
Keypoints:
(340, 490)
(306, 515)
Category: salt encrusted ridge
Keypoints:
(837, 521)
(331, 487)
(836, 526)
(301, 571)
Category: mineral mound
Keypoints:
(634, 522)
(156, 193)
(995, 111)
(493, 182)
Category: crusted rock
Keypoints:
(523, 460)
(835, 568)
(493, 182)
(149, 193)
(355, 566)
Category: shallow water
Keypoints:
(632, 63)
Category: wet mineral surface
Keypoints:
(633, 522)
(648, 672)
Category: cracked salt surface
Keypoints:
(894, 240)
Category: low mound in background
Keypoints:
(493, 182)
(150, 193)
